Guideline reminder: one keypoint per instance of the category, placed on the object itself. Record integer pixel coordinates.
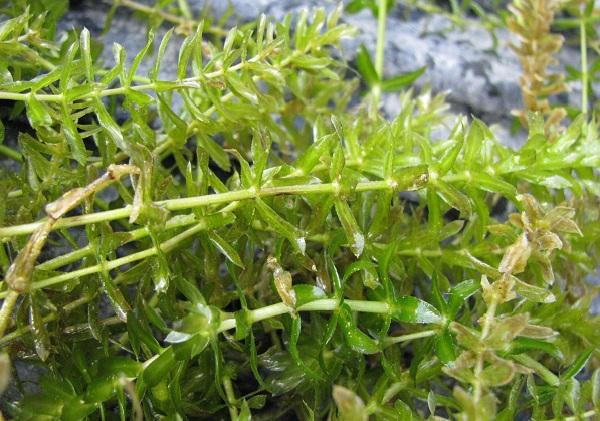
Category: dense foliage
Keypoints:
(253, 239)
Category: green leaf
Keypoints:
(413, 310)
(354, 236)
(401, 81)
(365, 66)
(459, 294)
(306, 293)
(493, 184)
(139, 334)
(520, 345)
(153, 73)
(110, 126)
(355, 338)
(280, 225)
(160, 367)
(445, 348)
(72, 135)
(226, 249)
(86, 53)
(139, 57)
(38, 113)
(453, 197)
(577, 365)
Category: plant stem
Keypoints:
(11, 153)
(231, 400)
(133, 235)
(486, 324)
(166, 247)
(545, 374)
(195, 202)
(327, 304)
(10, 298)
(584, 64)
(379, 53)
(409, 337)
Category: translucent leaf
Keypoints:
(280, 225)
(158, 370)
(153, 74)
(305, 293)
(354, 236)
(72, 135)
(413, 310)
(139, 57)
(110, 126)
(525, 344)
(86, 53)
(453, 197)
(577, 365)
(355, 338)
(365, 66)
(226, 249)
(445, 348)
(403, 80)
(38, 113)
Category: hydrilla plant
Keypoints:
(250, 239)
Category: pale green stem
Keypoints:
(231, 399)
(133, 235)
(11, 153)
(166, 247)
(379, 53)
(584, 65)
(10, 298)
(409, 337)
(195, 202)
(486, 324)
(545, 374)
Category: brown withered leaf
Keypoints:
(516, 256)
(283, 282)
(499, 372)
(503, 331)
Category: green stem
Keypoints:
(409, 337)
(486, 325)
(166, 247)
(10, 298)
(545, 374)
(133, 235)
(231, 399)
(11, 153)
(584, 65)
(327, 304)
(195, 202)
(379, 53)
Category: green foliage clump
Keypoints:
(253, 239)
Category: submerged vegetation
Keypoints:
(252, 238)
